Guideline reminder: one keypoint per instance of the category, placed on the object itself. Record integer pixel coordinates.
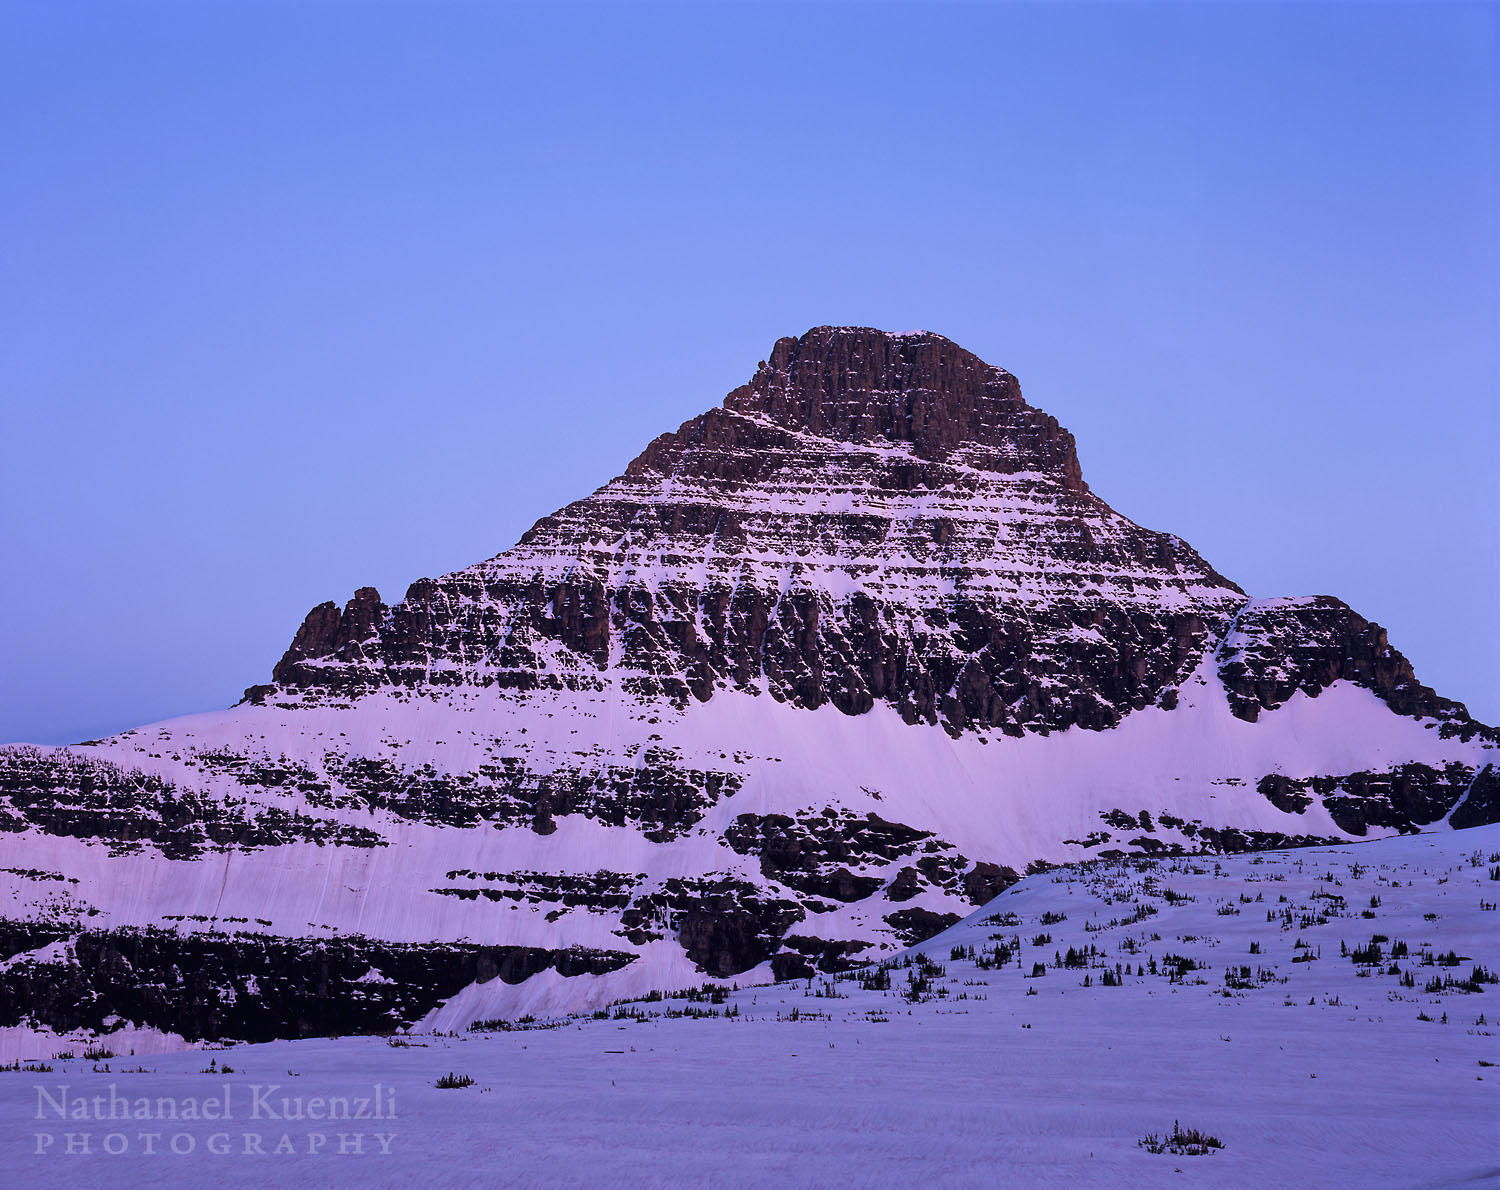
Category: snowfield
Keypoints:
(1009, 800)
(1326, 1015)
(819, 672)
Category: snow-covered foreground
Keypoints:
(1326, 1014)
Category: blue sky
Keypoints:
(303, 297)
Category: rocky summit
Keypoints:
(823, 669)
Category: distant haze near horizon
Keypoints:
(302, 298)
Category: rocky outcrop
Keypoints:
(702, 711)
(61, 792)
(984, 882)
(1481, 801)
(726, 926)
(255, 987)
(804, 957)
(595, 890)
(918, 925)
(1279, 646)
(828, 534)
(661, 794)
(855, 384)
(1406, 797)
(790, 847)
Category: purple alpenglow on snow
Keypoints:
(824, 669)
(1317, 1017)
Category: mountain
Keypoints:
(823, 669)
(1325, 1015)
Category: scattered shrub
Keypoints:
(1182, 1142)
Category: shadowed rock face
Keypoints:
(254, 987)
(874, 518)
(85, 797)
(1278, 647)
(874, 523)
(1406, 797)
(853, 384)
(726, 926)
(1481, 801)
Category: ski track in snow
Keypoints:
(1317, 1074)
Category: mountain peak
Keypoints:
(860, 384)
(765, 705)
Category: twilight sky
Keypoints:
(298, 297)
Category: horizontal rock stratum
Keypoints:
(825, 667)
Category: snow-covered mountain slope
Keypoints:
(1326, 1015)
(824, 669)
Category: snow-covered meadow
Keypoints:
(1326, 1014)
